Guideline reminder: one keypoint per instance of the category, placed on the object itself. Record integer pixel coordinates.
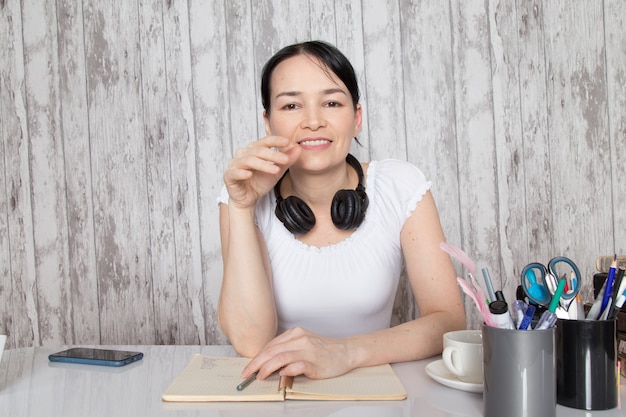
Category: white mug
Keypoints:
(463, 354)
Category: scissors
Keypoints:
(540, 288)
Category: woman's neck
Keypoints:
(319, 189)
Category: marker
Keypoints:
(557, 295)
(548, 318)
(500, 312)
(246, 382)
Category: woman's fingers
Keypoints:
(298, 352)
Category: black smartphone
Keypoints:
(91, 356)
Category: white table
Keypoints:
(32, 386)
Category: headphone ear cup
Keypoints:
(295, 214)
(348, 208)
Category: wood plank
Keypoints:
(8, 123)
(21, 322)
(184, 175)
(210, 98)
(537, 234)
(615, 21)
(475, 136)
(243, 82)
(154, 96)
(83, 297)
(118, 156)
(578, 132)
(47, 173)
(511, 248)
(323, 21)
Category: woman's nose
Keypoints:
(313, 118)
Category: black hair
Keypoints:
(326, 53)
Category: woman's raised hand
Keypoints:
(255, 169)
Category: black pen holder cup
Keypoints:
(586, 363)
(520, 372)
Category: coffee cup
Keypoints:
(463, 355)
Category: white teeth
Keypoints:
(314, 142)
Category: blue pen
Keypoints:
(528, 316)
(609, 285)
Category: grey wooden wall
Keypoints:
(117, 119)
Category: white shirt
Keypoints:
(349, 287)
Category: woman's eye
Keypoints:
(333, 104)
(290, 106)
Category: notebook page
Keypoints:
(371, 383)
(207, 378)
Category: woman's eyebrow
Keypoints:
(297, 93)
(288, 94)
(333, 91)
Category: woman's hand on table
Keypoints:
(300, 352)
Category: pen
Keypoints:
(488, 284)
(617, 293)
(246, 382)
(528, 316)
(594, 311)
(518, 308)
(620, 301)
(609, 285)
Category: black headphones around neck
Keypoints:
(347, 209)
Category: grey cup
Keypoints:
(520, 372)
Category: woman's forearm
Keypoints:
(246, 311)
(413, 340)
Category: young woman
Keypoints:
(313, 242)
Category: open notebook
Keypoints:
(207, 378)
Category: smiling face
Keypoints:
(312, 107)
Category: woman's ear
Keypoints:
(358, 119)
(268, 128)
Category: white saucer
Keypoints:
(437, 370)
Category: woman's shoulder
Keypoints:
(395, 171)
(397, 186)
